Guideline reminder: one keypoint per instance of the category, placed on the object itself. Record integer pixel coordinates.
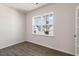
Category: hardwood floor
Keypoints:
(30, 49)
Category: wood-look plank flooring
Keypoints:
(30, 49)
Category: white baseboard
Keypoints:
(63, 51)
(53, 48)
(11, 44)
(41, 45)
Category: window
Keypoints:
(43, 24)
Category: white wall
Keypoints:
(12, 27)
(63, 40)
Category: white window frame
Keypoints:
(53, 23)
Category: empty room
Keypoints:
(39, 29)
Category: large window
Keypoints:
(43, 24)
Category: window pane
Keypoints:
(50, 19)
(43, 25)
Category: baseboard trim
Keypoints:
(11, 45)
(64, 51)
(67, 52)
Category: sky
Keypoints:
(42, 21)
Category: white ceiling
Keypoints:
(25, 7)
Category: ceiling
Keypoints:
(25, 7)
